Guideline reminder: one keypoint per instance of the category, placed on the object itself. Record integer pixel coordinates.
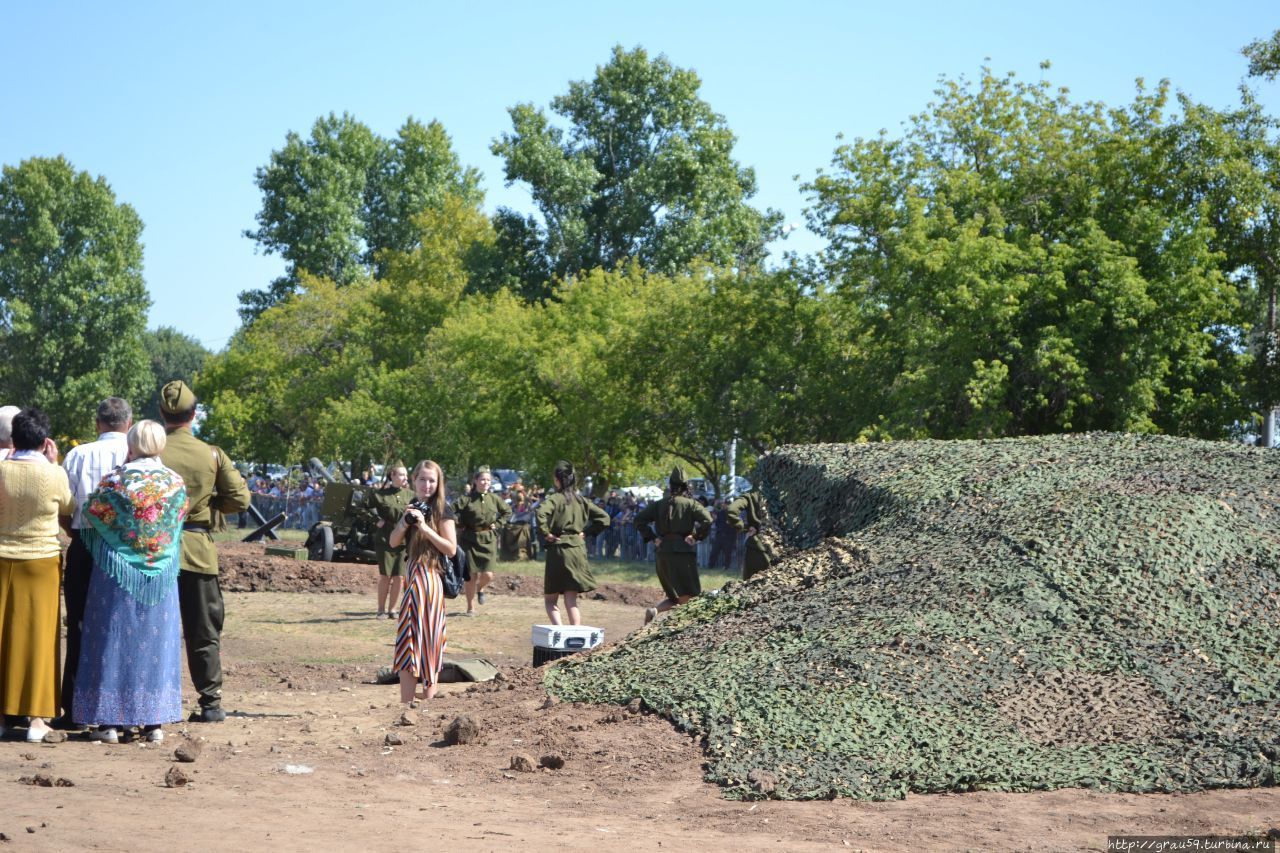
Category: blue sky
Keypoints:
(176, 105)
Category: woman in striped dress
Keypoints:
(429, 526)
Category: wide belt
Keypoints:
(481, 528)
(674, 535)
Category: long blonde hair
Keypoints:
(420, 545)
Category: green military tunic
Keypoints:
(478, 515)
(568, 518)
(758, 555)
(213, 485)
(677, 563)
(388, 504)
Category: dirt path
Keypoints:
(303, 763)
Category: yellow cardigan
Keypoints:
(32, 496)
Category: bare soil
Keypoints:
(315, 756)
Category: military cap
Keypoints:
(176, 398)
(678, 477)
(483, 469)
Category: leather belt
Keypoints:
(481, 528)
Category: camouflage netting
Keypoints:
(1097, 611)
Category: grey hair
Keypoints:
(114, 413)
(6, 424)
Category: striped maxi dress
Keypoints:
(420, 633)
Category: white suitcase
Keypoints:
(551, 642)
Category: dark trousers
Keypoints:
(75, 592)
(200, 602)
(722, 547)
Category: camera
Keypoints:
(421, 506)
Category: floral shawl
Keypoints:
(134, 528)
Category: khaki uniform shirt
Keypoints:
(213, 485)
(751, 506)
(566, 518)
(388, 505)
(475, 511)
(686, 516)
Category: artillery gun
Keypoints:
(345, 530)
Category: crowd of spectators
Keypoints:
(301, 500)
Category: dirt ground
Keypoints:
(314, 756)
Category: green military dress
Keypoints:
(478, 515)
(757, 556)
(388, 505)
(677, 564)
(567, 568)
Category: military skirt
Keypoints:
(482, 550)
(390, 560)
(678, 574)
(567, 570)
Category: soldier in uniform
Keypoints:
(214, 487)
(388, 503)
(565, 520)
(746, 512)
(680, 522)
(478, 513)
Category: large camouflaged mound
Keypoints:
(1090, 610)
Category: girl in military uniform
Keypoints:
(681, 522)
(748, 513)
(388, 503)
(565, 519)
(479, 512)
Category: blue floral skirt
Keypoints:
(130, 658)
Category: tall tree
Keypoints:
(335, 202)
(73, 304)
(644, 172)
(1021, 264)
(172, 355)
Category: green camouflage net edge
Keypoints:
(1089, 610)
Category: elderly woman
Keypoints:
(131, 648)
(34, 491)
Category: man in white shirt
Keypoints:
(86, 464)
(6, 430)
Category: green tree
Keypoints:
(1264, 57)
(334, 202)
(1225, 166)
(645, 172)
(73, 304)
(1017, 263)
(298, 359)
(172, 355)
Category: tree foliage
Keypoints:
(1264, 57)
(73, 305)
(334, 202)
(645, 171)
(1015, 264)
(172, 355)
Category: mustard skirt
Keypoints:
(29, 666)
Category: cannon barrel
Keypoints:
(319, 469)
